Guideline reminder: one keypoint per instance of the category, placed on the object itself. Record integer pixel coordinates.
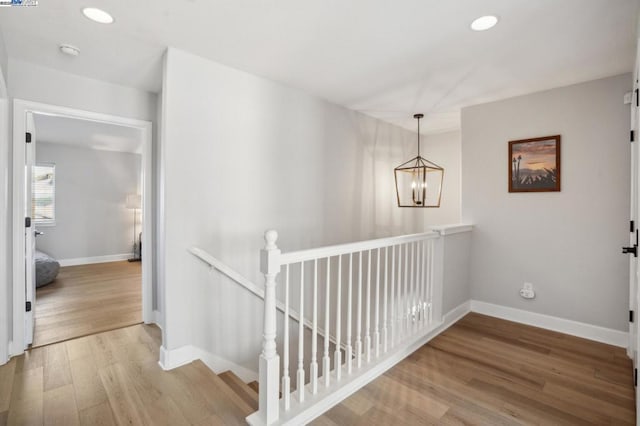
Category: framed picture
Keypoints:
(534, 164)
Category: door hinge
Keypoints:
(28, 306)
(637, 101)
(28, 137)
(635, 377)
(630, 316)
(632, 226)
(632, 136)
(27, 222)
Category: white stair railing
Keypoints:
(235, 276)
(396, 289)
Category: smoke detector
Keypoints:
(70, 50)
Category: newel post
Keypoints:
(269, 359)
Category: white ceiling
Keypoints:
(87, 134)
(386, 58)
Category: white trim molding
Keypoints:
(20, 110)
(5, 239)
(454, 315)
(561, 325)
(95, 259)
(174, 358)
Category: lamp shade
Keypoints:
(134, 201)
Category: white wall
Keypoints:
(40, 84)
(444, 150)
(91, 187)
(456, 280)
(4, 61)
(566, 243)
(241, 155)
(4, 203)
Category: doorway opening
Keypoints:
(82, 193)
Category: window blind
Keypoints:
(44, 193)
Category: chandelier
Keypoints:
(419, 181)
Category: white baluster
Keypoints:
(423, 293)
(269, 360)
(313, 368)
(392, 325)
(326, 361)
(359, 317)
(416, 292)
(399, 315)
(416, 286)
(300, 373)
(367, 336)
(337, 356)
(406, 289)
(431, 277)
(376, 329)
(386, 290)
(427, 299)
(286, 380)
(349, 352)
(412, 280)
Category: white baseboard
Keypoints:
(455, 314)
(95, 259)
(174, 358)
(574, 328)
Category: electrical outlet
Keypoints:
(527, 291)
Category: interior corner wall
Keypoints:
(241, 155)
(567, 243)
(157, 208)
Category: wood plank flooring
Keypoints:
(113, 378)
(481, 371)
(486, 371)
(88, 299)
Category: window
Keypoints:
(43, 203)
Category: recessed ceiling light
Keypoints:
(70, 50)
(483, 23)
(97, 15)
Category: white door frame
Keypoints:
(20, 109)
(634, 264)
(4, 215)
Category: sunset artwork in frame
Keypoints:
(534, 164)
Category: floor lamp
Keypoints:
(134, 202)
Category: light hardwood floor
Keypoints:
(88, 299)
(114, 378)
(482, 371)
(486, 371)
